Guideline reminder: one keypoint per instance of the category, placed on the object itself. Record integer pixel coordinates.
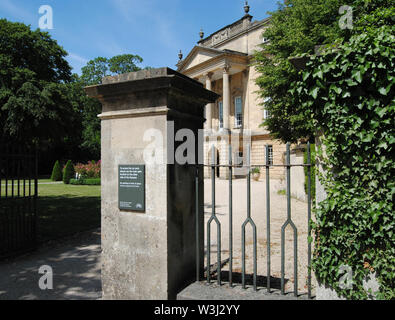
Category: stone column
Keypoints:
(226, 96)
(151, 254)
(209, 107)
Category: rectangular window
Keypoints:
(221, 114)
(270, 155)
(238, 112)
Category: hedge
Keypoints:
(56, 172)
(68, 172)
(86, 182)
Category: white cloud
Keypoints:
(77, 58)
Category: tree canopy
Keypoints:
(42, 102)
(295, 29)
(92, 74)
(101, 67)
(34, 103)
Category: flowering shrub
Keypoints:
(90, 170)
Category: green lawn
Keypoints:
(64, 209)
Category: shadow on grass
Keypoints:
(59, 217)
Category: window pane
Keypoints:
(238, 112)
(270, 155)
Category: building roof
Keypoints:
(182, 63)
(231, 31)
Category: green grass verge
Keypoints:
(63, 210)
(66, 209)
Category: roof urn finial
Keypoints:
(180, 55)
(201, 33)
(247, 8)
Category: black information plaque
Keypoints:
(131, 187)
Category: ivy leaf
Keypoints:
(306, 75)
(368, 137)
(383, 91)
(381, 111)
(383, 145)
(314, 92)
(336, 89)
(319, 74)
(357, 75)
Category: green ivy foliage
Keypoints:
(350, 91)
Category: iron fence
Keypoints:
(18, 200)
(255, 228)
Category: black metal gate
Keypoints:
(214, 271)
(18, 200)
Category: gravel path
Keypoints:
(76, 271)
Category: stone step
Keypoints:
(204, 291)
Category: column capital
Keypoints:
(226, 68)
(208, 75)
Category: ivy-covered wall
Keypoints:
(350, 91)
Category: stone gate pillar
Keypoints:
(149, 244)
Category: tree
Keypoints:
(56, 172)
(101, 67)
(295, 28)
(92, 74)
(34, 104)
(68, 172)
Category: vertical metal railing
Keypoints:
(197, 230)
(18, 204)
(215, 219)
(268, 219)
(295, 231)
(309, 220)
(249, 221)
(230, 217)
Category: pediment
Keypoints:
(197, 56)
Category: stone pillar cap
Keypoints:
(148, 80)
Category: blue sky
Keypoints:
(154, 29)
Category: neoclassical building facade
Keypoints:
(223, 63)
